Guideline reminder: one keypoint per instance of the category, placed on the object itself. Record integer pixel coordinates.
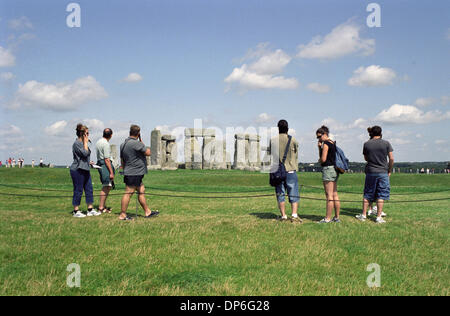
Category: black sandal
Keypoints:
(152, 214)
(128, 218)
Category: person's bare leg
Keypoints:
(282, 207)
(294, 208)
(329, 195)
(129, 191)
(380, 205)
(365, 206)
(143, 201)
(337, 202)
(103, 196)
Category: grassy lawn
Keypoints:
(212, 246)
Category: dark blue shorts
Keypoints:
(377, 187)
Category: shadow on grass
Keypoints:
(313, 218)
(352, 212)
(270, 216)
(273, 216)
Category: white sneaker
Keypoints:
(374, 212)
(79, 215)
(379, 220)
(94, 213)
(361, 217)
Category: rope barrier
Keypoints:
(224, 192)
(223, 197)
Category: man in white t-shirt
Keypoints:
(104, 160)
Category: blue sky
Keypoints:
(230, 63)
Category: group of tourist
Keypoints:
(133, 155)
(11, 163)
(377, 152)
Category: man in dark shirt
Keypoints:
(378, 171)
(133, 155)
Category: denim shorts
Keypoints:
(377, 187)
(291, 186)
(329, 174)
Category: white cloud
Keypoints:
(11, 137)
(400, 141)
(264, 118)
(262, 73)
(445, 99)
(20, 24)
(133, 77)
(7, 76)
(372, 76)
(317, 87)
(401, 114)
(56, 128)
(343, 40)
(15, 41)
(424, 102)
(336, 126)
(271, 63)
(60, 96)
(7, 59)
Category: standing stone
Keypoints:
(239, 152)
(209, 137)
(253, 153)
(192, 149)
(169, 153)
(156, 148)
(114, 156)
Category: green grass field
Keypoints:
(212, 246)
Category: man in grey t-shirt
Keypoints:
(133, 155)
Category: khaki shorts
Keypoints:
(329, 174)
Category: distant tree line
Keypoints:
(402, 167)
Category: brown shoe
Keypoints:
(296, 220)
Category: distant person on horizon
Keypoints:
(80, 173)
(327, 159)
(133, 155)
(378, 171)
(290, 185)
(32, 163)
(41, 163)
(107, 169)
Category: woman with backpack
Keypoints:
(327, 159)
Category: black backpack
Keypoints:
(280, 175)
